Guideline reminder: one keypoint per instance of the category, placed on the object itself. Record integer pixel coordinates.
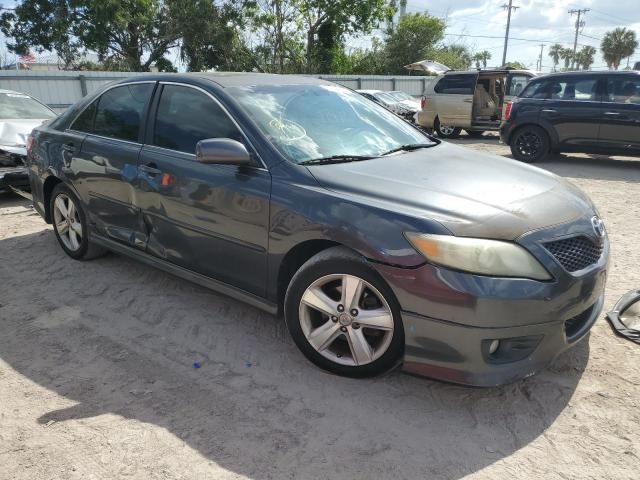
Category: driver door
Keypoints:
(211, 219)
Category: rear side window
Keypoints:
(186, 116)
(84, 122)
(576, 88)
(118, 113)
(517, 83)
(624, 89)
(456, 84)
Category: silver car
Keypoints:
(19, 114)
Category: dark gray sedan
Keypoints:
(379, 244)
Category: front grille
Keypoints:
(575, 253)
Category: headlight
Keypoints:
(478, 255)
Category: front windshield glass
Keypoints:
(309, 122)
(402, 96)
(20, 106)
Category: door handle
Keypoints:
(468, 100)
(150, 169)
(68, 147)
(549, 110)
(612, 114)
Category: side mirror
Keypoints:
(223, 151)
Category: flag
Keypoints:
(27, 58)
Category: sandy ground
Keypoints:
(96, 379)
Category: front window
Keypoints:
(18, 105)
(308, 122)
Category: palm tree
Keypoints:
(483, 56)
(585, 57)
(616, 45)
(554, 53)
(566, 54)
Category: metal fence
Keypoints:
(60, 89)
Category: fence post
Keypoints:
(83, 85)
(393, 83)
(424, 85)
(359, 83)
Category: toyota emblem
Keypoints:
(598, 226)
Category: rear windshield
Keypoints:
(18, 105)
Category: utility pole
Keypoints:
(539, 64)
(509, 8)
(579, 25)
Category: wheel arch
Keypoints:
(47, 189)
(294, 259)
(551, 134)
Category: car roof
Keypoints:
(489, 70)
(588, 72)
(233, 79)
(2, 90)
(371, 92)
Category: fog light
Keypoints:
(494, 346)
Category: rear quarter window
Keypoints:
(575, 88)
(456, 85)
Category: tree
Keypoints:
(618, 44)
(585, 57)
(326, 22)
(137, 32)
(413, 38)
(554, 53)
(566, 54)
(515, 65)
(456, 57)
(482, 57)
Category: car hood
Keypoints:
(14, 132)
(411, 104)
(470, 193)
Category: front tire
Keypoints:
(70, 225)
(445, 131)
(530, 144)
(343, 316)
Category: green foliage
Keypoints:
(566, 54)
(122, 29)
(414, 38)
(585, 57)
(554, 53)
(456, 57)
(618, 44)
(515, 65)
(482, 58)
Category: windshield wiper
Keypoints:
(336, 159)
(410, 147)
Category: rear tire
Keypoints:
(530, 144)
(70, 225)
(343, 316)
(444, 131)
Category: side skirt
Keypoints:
(189, 275)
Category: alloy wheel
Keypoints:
(346, 319)
(446, 130)
(67, 222)
(528, 144)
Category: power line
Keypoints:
(509, 8)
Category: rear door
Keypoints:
(209, 218)
(572, 108)
(106, 165)
(620, 127)
(453, 99)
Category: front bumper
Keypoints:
(450, 318)
(16, 177)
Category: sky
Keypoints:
(535, 22)
(542, 21)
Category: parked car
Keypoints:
(469, 100)
(19, 114)
(407, 105)
(382, 98)
(379, 244)
(591, 112)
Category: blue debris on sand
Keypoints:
(196, 365)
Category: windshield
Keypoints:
(402, 96)
(19, 106)
(308, 122)
(386, 98)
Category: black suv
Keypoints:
(590, 112)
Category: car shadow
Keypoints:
(115, 336)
